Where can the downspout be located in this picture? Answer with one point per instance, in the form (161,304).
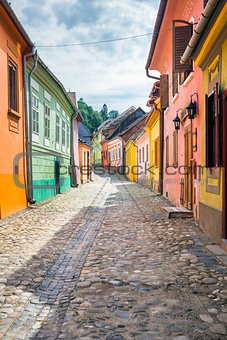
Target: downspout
(199,30)
(30,124)
(72,151)
(161,134)
(29,196)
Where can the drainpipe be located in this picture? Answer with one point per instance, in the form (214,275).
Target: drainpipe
(199,30)
(27,125)
(35,57)
(72,150)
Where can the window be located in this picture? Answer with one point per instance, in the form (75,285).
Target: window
(57,128)
(213,129)
(119,152)
(68,137)
(47,122)
(12,87)
(183,76)
(175,148)
(139,155)
(156,152)
(115,153)
(147,153)
(63,133)
(35,114)
(167,151)
(143,154)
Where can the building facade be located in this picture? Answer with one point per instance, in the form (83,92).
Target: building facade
(209,52)
(14,46)
(52,115)
(179,85)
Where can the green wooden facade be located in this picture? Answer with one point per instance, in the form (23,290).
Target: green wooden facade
(51,133)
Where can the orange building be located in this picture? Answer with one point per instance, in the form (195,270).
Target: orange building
(14,45)
(85,161)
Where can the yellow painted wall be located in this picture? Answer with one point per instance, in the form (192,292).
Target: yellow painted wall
(153,132)
(214,200)
(130,161)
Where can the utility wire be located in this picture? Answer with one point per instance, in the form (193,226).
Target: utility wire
(105,41)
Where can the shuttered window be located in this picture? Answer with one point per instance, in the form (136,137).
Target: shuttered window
(35,114)
(139,155)
(164,91)
(167,151)
(213,129)
(143,154)
(147,153)
(182,32)
(12,87)
(175,149)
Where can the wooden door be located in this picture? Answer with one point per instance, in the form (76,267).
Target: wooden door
(188,170)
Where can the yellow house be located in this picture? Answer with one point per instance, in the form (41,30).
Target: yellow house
(210,54)
(154,146)
(130,161)
(97,153)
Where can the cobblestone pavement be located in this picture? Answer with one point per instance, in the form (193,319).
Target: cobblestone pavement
(102,262)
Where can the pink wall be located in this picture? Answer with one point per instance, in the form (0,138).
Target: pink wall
(114,146)
(162,61)
(142,142)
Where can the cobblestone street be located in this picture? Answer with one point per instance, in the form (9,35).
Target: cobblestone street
(103,262)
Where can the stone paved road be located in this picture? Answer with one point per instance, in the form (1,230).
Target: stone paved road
(102,262)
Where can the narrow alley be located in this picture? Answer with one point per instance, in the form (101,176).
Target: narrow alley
(103,262)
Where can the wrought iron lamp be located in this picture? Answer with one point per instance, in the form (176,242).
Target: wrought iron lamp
(192,107)
(176,121)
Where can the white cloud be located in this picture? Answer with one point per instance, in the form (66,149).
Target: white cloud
(111,73)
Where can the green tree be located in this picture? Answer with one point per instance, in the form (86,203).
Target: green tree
(92,119)
(113,114)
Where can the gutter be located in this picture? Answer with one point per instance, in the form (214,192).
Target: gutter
(27,129)
(205,17)
(157,27)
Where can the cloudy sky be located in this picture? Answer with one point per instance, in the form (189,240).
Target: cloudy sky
(111,73)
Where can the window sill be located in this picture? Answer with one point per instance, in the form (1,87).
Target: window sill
(35,137)
(175,97)
(14,113)
(46,142)
(188,79)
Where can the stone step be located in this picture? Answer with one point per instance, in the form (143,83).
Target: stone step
(171,212)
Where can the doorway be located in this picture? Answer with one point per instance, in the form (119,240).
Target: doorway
(57,177)
(188,169)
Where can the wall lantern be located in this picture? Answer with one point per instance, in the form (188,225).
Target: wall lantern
(176,121)
(192,107)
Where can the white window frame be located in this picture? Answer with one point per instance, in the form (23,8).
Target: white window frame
(68,137)
(47,122)
(35,122)
(57,131)
(63,134)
